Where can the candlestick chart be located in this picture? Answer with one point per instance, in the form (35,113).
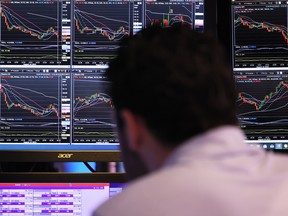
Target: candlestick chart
(92,110)
(30,108)
(30,32)
(98,30)
(262,106)
(260,37)
(169,14)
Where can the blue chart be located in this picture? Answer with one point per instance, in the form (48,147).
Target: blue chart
(30,109)
(260,36)
(92,110)
(98,31)
(262,106)
(169,13)
(31,32)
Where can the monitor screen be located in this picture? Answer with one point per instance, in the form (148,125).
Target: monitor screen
(260,64)
(44,197)
(53,60)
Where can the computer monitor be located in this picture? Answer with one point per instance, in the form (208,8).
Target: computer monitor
(259,56)
(55,104)
(51,194)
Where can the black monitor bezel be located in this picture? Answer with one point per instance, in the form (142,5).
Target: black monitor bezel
(50,177)
(210,17)
(223,25)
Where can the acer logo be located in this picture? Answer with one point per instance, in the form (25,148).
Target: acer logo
(65,155)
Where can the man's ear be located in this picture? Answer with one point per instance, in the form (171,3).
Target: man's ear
(132,129)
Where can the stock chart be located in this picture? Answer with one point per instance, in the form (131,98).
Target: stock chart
(260,36)
(92,108)
(30,108)
(31,33)
(167,13)
(97,31)
(262,104)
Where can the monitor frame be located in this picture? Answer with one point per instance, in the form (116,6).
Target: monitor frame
(224,36)
(210,26)
(60,156)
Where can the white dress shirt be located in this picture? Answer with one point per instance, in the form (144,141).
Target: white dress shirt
(213,174)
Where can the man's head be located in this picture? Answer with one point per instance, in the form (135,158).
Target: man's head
(175,83)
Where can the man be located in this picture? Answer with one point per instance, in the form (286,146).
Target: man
(175,101)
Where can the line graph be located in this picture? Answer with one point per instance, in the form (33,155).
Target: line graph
(272,103)
(262,105)
(31,32)
(260,36)
(30,107)
(12,22)
(98,31)
(269,27)
(95,99)
(92,110)
(270,98)
(169,13)
(104,31)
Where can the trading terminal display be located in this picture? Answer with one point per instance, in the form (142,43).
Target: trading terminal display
(31,107)
(171,12)
(262,102)
(55,198)
(98,31)
(35,33)
(53,58)
(92,108)
(260,34)
(260,63)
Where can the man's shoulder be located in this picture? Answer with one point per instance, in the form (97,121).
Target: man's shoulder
(139,197)
(183,187)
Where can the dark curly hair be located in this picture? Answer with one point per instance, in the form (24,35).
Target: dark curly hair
(176,79)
